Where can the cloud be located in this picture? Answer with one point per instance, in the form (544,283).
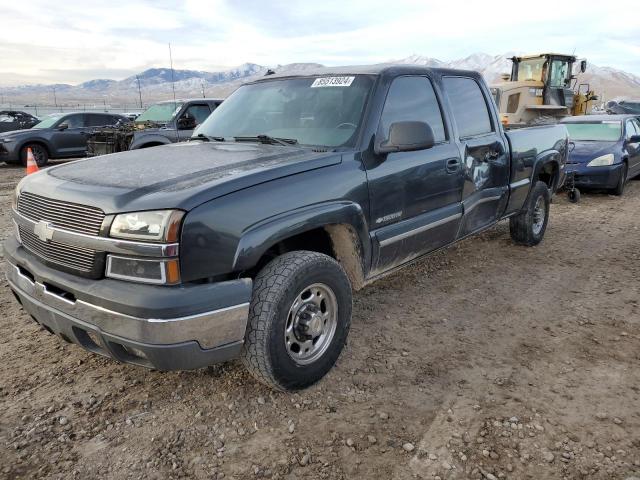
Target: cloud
(71,41)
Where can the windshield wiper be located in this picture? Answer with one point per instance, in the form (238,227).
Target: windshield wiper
(207,138)
(268,140)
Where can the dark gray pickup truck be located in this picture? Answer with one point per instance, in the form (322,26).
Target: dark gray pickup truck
(249,240)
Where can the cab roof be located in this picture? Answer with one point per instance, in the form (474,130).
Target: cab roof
(379,69)
(538,55)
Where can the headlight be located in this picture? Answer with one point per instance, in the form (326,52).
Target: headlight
(153,226)
(161,272)
(602,161)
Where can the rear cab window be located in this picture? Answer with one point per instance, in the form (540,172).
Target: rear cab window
(413,99)
(468,106)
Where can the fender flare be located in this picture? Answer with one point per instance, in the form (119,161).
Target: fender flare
(259,238)
(50,150)
(142,141)
(553,157)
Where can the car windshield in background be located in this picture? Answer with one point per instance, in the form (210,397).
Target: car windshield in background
(48,122)
(607,131)
(161,112)
(324,111)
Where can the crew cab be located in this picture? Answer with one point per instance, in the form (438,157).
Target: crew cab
(249,240)
(161,124)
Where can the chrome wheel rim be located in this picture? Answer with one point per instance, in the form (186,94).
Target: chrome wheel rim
(539,213)
(311,324)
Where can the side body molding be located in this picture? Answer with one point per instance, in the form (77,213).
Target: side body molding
(257,239)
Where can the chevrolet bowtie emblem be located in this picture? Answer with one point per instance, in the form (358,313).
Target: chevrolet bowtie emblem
(43,230)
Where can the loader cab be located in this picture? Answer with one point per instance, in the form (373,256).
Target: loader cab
(553,71)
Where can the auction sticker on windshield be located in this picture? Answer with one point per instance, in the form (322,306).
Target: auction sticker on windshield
(332,82)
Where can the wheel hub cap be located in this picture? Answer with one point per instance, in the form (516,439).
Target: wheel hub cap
(311,323)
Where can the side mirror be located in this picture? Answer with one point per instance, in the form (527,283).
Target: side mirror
(407,137)
(63,126)
(583,66)
(634,139)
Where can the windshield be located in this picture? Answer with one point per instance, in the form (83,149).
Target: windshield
(324,111)
(607,131)
(161,112)
(531,70)
(48,122)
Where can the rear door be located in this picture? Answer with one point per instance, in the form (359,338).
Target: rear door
(484,152)
(414,196)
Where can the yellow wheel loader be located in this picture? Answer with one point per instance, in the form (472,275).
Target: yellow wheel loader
(539,90)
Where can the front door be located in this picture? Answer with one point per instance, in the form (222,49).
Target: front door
(414,196)
(73,139)
(484,152)
(633,129)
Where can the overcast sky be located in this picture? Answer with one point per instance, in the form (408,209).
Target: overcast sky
(71,41)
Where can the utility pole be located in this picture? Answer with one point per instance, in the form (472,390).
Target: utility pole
(55,99)
(202,85)
(173,85)
(139,90)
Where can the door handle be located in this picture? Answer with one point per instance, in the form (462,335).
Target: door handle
(452,165)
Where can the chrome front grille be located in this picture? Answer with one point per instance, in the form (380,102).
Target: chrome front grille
(72,257)
(63,215)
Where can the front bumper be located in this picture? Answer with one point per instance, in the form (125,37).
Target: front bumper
(606,177)
(9,153)
(166,328)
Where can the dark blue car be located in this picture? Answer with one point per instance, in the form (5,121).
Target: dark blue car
(607,150)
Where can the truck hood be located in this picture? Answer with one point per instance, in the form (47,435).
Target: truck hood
(181,175)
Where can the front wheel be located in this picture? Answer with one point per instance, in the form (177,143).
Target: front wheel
(622,181)
(299,319)
(528,227)
(40,154)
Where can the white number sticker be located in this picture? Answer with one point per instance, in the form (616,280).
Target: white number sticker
(332,82)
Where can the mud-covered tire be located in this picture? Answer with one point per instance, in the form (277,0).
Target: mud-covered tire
(40,154)
(276,289)
(622,181)
(528,227)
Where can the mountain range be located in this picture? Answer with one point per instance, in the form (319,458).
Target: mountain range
(156,83)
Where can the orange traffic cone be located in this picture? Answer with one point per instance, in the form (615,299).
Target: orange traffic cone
(32,165)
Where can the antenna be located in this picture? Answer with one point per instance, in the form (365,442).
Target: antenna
(173,85)
(139,90)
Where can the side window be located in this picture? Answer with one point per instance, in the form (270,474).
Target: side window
(99,120)
(468,105)
(198,112)
(631,128)
(74,121)
(413,99)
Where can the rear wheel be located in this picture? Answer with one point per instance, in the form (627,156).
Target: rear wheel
(528,227)
(39,153)
(622,181)
(299,319)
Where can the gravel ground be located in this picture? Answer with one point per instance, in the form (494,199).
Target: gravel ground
(486,360)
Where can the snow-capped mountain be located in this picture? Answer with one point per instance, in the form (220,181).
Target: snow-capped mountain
(155,83)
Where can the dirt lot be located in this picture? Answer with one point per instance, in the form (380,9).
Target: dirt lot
(486,360)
